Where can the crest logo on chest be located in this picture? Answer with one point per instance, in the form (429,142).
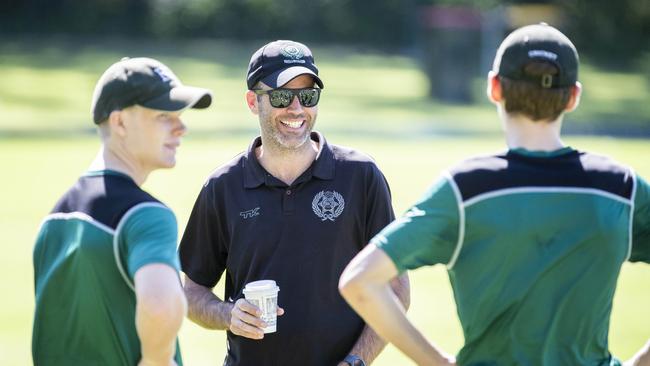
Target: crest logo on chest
(328,205)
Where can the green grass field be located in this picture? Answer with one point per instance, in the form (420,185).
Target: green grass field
(372,102)
(47,87)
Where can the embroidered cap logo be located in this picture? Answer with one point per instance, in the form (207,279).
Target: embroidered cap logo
(293,55)
(162,74)
(292,52)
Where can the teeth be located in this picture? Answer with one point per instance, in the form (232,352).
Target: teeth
(292,124)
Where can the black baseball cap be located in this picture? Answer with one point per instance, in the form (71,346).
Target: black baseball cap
(538,42)
(278,62)
(145,82)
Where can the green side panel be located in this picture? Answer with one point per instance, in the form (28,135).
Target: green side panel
(85,312)
(641,226)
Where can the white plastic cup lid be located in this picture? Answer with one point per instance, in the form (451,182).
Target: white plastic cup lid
(261,286)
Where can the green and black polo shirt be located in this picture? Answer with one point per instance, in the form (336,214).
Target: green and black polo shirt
(87,252)
(534,244)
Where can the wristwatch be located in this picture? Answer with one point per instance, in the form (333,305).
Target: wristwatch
(354,360)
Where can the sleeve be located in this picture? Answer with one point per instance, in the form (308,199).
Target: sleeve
(202,249)
(149,235)
(641,223)
(427,234)
(379,209)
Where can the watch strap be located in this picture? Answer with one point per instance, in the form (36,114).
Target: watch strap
(354,360)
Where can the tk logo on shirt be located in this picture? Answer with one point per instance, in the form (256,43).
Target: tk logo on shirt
(250,213)
(328,205)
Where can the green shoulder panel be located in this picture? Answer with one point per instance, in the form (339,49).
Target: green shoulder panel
(146,234)
(430,232)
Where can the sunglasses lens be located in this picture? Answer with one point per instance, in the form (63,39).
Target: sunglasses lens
(309,97)
(280,98)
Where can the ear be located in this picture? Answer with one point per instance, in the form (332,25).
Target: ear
(251,101)
(116,123)
(494,88)
(574,99)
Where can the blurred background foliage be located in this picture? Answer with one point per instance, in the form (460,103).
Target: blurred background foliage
(615,33)
(425,60)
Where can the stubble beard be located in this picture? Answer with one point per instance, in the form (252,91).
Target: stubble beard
(282,143)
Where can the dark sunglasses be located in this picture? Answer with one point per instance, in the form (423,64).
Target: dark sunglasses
(282,97)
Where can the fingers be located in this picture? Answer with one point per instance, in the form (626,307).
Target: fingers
(280,311)
(245,320)
(248,318)
(247,307)
(240,328)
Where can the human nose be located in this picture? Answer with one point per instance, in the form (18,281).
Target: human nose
(295,104)
(179,127)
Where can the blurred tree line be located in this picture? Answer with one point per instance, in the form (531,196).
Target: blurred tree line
(342,21)
(611,31)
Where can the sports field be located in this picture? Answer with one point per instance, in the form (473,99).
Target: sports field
(373,102)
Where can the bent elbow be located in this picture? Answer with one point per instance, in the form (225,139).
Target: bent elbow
(351,288)
(167,308)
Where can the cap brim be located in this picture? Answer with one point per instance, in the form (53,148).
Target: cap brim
(179,98)
(281,77)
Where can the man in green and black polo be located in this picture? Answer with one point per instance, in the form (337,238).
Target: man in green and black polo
(533,238)
(105,261)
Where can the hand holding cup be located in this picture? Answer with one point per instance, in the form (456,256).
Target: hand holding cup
(256,314)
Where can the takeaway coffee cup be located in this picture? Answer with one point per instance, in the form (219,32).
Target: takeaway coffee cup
(264,295)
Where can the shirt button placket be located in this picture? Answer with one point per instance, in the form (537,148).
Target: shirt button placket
(288,201)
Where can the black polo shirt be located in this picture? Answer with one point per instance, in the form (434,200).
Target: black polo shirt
(255,227)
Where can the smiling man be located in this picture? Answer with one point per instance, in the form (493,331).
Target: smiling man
(293,209)
(105,261)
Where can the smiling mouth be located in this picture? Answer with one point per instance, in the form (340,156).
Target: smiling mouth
(293,124)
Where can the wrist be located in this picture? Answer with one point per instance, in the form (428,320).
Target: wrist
(155,361)
(225,312)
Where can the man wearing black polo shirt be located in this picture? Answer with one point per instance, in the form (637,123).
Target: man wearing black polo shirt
(293,209)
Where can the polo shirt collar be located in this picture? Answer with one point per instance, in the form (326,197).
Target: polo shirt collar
(542,154)
(323,167)
(105,172)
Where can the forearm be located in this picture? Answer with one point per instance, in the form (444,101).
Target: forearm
(157,330)
(641,358)
(381,308)
(370,344)
(205,308)
(365,285)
